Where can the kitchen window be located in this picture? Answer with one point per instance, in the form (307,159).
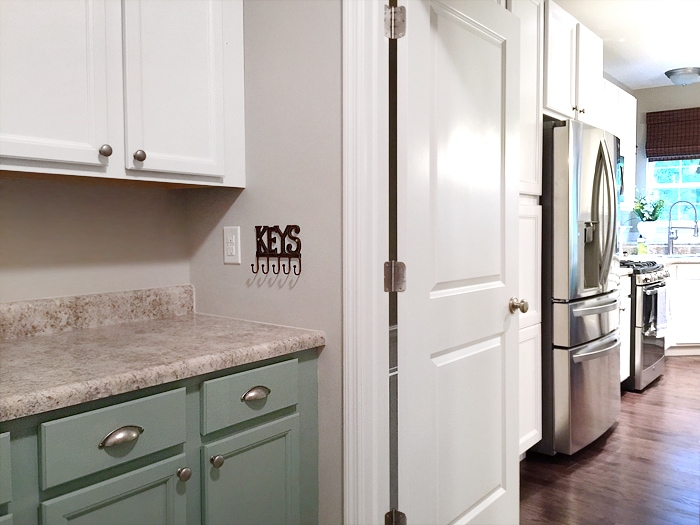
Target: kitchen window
(674,180)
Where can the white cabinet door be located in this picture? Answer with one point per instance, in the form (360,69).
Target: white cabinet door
(560,60)
(531,14)
(627,104)
(530,258)
(174,88)
(530,379)
(53,80)
(589,73)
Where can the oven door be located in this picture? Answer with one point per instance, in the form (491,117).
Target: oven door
(650,325)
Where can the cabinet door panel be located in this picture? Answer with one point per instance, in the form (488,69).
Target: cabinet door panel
(560,59)
(53,80)
(589,73)
(151,495)
(530,366)
(530,257)
(173,56)
(259,480)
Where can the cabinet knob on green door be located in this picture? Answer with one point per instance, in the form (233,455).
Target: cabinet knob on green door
(121,436)
(105,150)
(217,461)
(140,155)
(184,473)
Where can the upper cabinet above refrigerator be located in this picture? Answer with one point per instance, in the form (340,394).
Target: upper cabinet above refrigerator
(139,90)
(573,70)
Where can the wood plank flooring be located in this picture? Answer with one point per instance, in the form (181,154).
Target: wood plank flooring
(644,471)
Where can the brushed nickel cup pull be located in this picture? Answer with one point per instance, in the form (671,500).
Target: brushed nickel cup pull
(105,150)
(121,436)
(514,305)
(140,155)
(256,393)
(184,473)
(217,461)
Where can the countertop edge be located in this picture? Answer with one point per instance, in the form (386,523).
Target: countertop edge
(75,393)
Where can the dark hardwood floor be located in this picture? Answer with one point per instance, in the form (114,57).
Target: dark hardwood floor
(645,470)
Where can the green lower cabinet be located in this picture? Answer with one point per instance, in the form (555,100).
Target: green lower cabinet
(258,481)
(6,520)
(151,495)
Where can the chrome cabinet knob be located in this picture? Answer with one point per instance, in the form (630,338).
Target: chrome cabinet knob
(184,473)
(105,150)
(140,155)
(217,461)
(514,305)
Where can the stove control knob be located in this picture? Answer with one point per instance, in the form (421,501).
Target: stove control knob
(646,279)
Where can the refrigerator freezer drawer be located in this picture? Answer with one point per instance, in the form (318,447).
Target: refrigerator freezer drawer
(586,392)
(579,322)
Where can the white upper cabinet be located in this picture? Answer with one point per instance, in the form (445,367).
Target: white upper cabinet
(531,14)
(53,81)
(138,89)
(573,67)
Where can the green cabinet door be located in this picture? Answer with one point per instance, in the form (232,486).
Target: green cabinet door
(258,482)
(151,495)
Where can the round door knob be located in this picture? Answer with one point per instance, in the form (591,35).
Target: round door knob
(105,150)
(140,155)
(515,305)
(217,461)
(184,473)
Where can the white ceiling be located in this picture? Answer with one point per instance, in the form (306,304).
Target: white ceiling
(642,38)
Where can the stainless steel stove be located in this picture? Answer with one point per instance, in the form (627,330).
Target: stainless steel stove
(648,322)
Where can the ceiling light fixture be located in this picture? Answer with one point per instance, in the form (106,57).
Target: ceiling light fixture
(684,75)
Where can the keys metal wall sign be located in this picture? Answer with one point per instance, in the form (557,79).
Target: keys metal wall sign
(277,250)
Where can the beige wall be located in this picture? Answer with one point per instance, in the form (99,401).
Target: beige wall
(659,99)
(72,237)
(293,157)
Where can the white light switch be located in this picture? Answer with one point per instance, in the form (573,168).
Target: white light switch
(232,245)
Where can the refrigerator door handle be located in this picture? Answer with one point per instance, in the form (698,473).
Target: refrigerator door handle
(595,354)
(597,309)
(606,183)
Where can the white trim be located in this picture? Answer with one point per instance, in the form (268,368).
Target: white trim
(365,248)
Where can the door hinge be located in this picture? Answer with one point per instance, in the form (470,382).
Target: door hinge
(394,517)
(394,22)
(394,276)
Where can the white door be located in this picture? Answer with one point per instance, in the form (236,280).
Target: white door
(458,235)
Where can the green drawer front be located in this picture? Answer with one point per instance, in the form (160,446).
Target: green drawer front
(69,446)
(5,469)
(6,520)
(222,405)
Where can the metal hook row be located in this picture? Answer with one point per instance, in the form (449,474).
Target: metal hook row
(265,266)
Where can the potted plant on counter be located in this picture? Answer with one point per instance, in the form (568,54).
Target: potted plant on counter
(648,211)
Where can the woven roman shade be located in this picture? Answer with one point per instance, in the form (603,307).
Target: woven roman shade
(673,135)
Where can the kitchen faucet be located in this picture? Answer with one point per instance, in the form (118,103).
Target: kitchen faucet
(673,232)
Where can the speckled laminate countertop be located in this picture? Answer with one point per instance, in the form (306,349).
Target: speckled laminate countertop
(47,372)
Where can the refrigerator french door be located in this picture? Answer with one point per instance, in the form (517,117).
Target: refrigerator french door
(580,298)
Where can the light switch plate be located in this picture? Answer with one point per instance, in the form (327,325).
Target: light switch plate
(232,245)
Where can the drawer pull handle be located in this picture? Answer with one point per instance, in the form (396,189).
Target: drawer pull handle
(217,461)
(256,393)
(121,436)
(184,473)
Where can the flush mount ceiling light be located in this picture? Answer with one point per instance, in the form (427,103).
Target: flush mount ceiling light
(684,75)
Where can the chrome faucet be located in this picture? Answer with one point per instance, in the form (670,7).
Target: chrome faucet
(673,231)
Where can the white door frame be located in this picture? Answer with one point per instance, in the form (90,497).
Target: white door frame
(365,248)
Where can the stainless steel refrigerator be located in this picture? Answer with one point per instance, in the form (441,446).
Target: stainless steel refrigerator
(580,298)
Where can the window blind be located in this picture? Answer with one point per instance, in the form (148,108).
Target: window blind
(673,135)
